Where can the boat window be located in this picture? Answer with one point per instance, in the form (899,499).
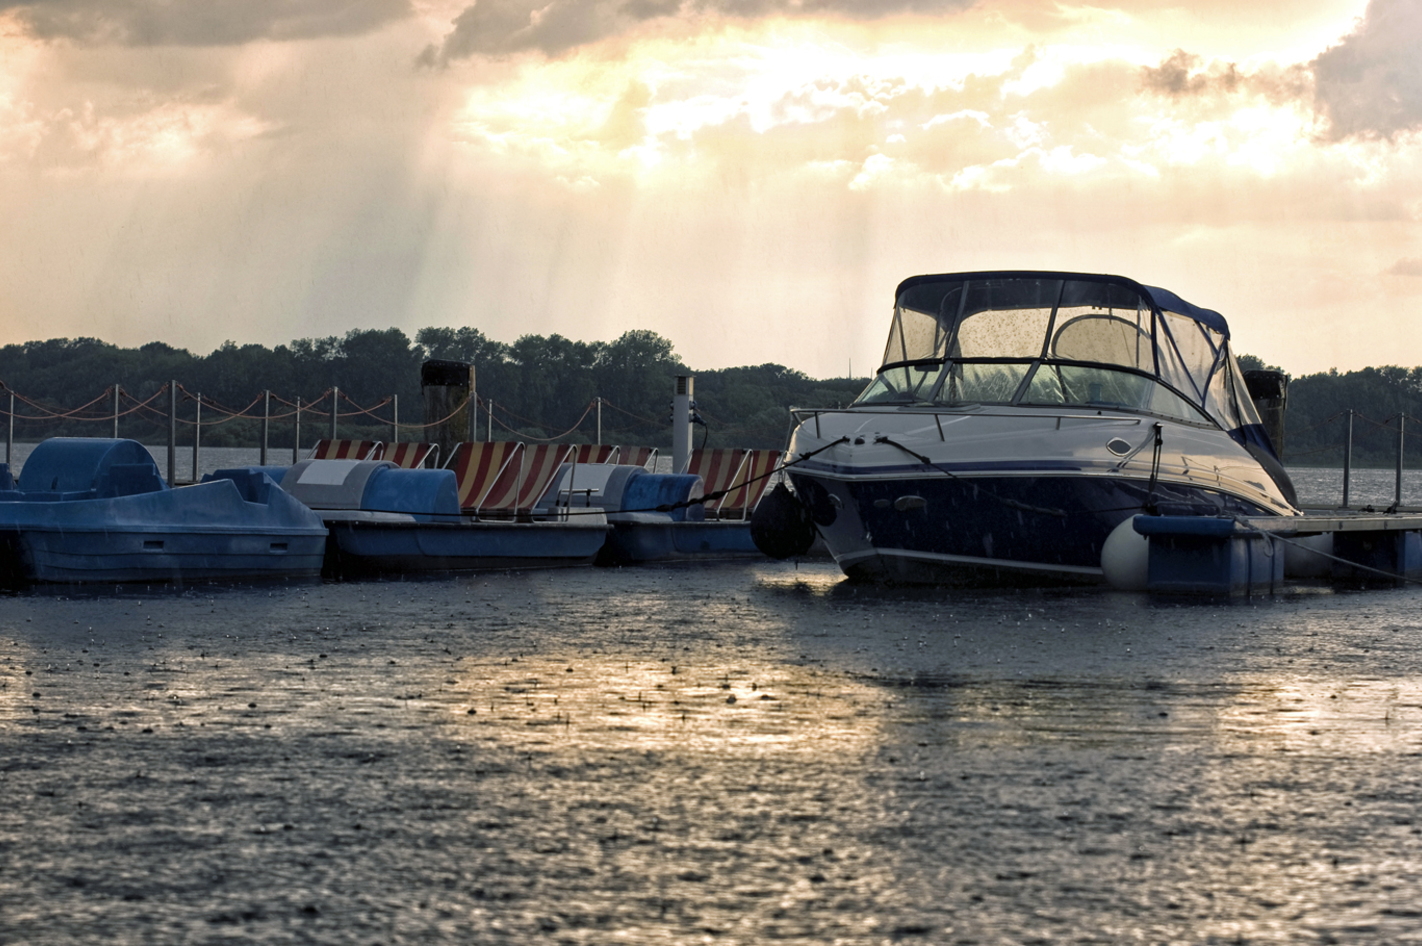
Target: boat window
(1006,318)
(1028,339)
(901,383)
(1103,387)
(1189,351)
(1045,387)
(1015,334)
(1105,338)
(1219,404)
(983,383)
(1243,403)
(915,336)
(1089,386)
(1169,404)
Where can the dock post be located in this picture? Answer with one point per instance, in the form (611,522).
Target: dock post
(335,409)
(1347,457)
(266,425)
(394,418)
(681,423)
(449,405)
(296,430)
(197,437)
(116,410)
(1397,492)
(10,433)
(172,434)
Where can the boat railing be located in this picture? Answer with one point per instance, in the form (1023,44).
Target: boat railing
(564,499)
(801,415)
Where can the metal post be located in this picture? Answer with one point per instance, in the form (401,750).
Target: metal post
(116,410)
(266,425)
(491,421)
(599,421)
(473,407)
(1347,458)
(335,409)
(1397,494)
(172,433)
(681,424)
(296,442)
(394,418)
(10,433)
(197,438)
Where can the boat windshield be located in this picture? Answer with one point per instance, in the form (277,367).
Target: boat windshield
(1057,341)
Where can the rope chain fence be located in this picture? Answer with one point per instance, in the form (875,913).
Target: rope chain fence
(1376,441)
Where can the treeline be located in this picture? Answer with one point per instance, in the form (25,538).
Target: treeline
(540,386)
(1315,422)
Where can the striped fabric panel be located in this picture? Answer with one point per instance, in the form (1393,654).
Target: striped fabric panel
(717,467)
(409,456)
(592,453)
(477,467)
(750,485)
(540,465)
(344,450)
(503,490)
(637,456)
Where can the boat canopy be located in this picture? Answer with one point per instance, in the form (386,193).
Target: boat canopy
(1062,339)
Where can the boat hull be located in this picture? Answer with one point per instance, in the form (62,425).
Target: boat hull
(1003,529)
(155,555)
(195,533)
(358,547)
(669,541)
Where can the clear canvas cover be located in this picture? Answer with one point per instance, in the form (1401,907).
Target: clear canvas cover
(1058,340)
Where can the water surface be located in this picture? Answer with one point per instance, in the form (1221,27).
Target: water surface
(739,754)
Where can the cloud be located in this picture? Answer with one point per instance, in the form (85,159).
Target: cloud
(1406,267)
(501,27)
(199,22)
(1180,74)
(1370,84)
(158,140)
(1186,75)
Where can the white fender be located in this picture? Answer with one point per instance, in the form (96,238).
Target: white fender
(1125,558)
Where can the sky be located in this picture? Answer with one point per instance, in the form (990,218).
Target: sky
(749,178)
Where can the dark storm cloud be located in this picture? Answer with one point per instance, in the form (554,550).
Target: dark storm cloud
(1184,74)
(200,22)
(1181,74)
(1370,84)
(493,27)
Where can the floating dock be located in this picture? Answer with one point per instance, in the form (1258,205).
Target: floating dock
(1205,555)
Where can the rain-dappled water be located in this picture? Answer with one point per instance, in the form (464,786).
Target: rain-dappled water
(737,754)
(1323,486)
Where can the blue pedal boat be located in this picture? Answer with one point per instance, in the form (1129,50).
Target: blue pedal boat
(655,517)
(90,510)
(387,520)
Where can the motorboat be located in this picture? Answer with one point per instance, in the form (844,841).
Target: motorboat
(96,510)
(1019,418)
